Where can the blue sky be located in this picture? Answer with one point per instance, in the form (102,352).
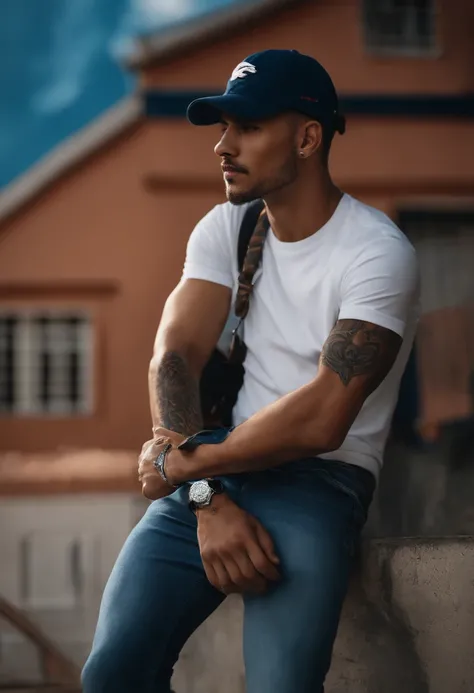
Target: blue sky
(60,66)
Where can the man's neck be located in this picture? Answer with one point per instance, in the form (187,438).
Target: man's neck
(299,211)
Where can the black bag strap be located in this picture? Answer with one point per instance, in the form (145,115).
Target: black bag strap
(247,227)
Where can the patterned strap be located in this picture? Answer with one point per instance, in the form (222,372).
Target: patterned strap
(250,266)
(238,350)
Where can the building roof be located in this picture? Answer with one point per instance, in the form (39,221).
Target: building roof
(69,153)
(169,43)
(164,45)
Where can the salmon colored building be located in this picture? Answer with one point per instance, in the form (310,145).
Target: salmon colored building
(92,238)
(99,228)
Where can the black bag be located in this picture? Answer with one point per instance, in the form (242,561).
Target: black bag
(223,376)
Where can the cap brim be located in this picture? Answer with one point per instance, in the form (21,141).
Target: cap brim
(209,110)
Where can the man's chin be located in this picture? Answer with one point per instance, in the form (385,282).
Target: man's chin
(240,197)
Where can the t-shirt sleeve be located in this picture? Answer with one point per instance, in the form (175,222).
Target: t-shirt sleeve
(382,285)
(209,253)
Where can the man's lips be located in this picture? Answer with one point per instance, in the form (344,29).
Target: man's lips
(229,171)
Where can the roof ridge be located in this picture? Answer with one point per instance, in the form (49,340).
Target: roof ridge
(164,44)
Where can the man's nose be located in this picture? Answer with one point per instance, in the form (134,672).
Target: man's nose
(227,146)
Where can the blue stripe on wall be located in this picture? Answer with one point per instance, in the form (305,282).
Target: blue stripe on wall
(173,104)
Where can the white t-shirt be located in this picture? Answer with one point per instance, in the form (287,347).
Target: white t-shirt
(359,265)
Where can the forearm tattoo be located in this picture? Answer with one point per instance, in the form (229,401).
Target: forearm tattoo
(178,396)
(356,348)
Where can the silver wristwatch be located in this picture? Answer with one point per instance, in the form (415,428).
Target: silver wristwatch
(201,492)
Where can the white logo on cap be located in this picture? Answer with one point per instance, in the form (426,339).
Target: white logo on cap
(242,70)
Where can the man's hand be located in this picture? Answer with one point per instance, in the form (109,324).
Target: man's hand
(163,434)
(237,552)
(153,486)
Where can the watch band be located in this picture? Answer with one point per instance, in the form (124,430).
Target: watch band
(216,485)
(159,464)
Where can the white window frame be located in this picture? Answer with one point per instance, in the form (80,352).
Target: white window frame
(406,49)
(27,352)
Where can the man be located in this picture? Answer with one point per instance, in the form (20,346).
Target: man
(328,332)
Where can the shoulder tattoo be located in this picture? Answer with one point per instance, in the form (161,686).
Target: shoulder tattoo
(357,348)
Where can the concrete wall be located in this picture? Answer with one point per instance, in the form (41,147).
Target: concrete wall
(407,625)
(56,554)
(427,491)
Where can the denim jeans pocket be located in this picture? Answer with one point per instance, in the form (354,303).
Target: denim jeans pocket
(355,482)
(346,489)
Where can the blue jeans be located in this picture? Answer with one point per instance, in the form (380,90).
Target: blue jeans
(158,593)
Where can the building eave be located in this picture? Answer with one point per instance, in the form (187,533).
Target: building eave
(178,40)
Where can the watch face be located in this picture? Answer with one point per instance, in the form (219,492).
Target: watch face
(200,493)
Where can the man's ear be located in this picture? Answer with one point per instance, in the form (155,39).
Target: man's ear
(311,138)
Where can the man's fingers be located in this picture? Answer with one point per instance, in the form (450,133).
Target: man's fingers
(159,432)
(243,578)
(222,579)
(237,580)
(264,566)
(266,542)
(237,553)
(261,562)
(157,444)
(146,445)
(253,580)
(164,435)
(211,575)
(229,575)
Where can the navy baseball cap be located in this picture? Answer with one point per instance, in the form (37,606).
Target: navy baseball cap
(269,83)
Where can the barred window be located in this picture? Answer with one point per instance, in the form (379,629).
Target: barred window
(399,27)
(45,363)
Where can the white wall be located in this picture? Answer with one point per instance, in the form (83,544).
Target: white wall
(56,554)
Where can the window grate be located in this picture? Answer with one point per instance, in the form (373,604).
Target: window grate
(400,27)
(45,363)
(7,361)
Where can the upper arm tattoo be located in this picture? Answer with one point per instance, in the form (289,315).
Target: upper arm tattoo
(357,348)
(178,396)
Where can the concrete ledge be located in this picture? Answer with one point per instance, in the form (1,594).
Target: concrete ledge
(68,472)
(407,625)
